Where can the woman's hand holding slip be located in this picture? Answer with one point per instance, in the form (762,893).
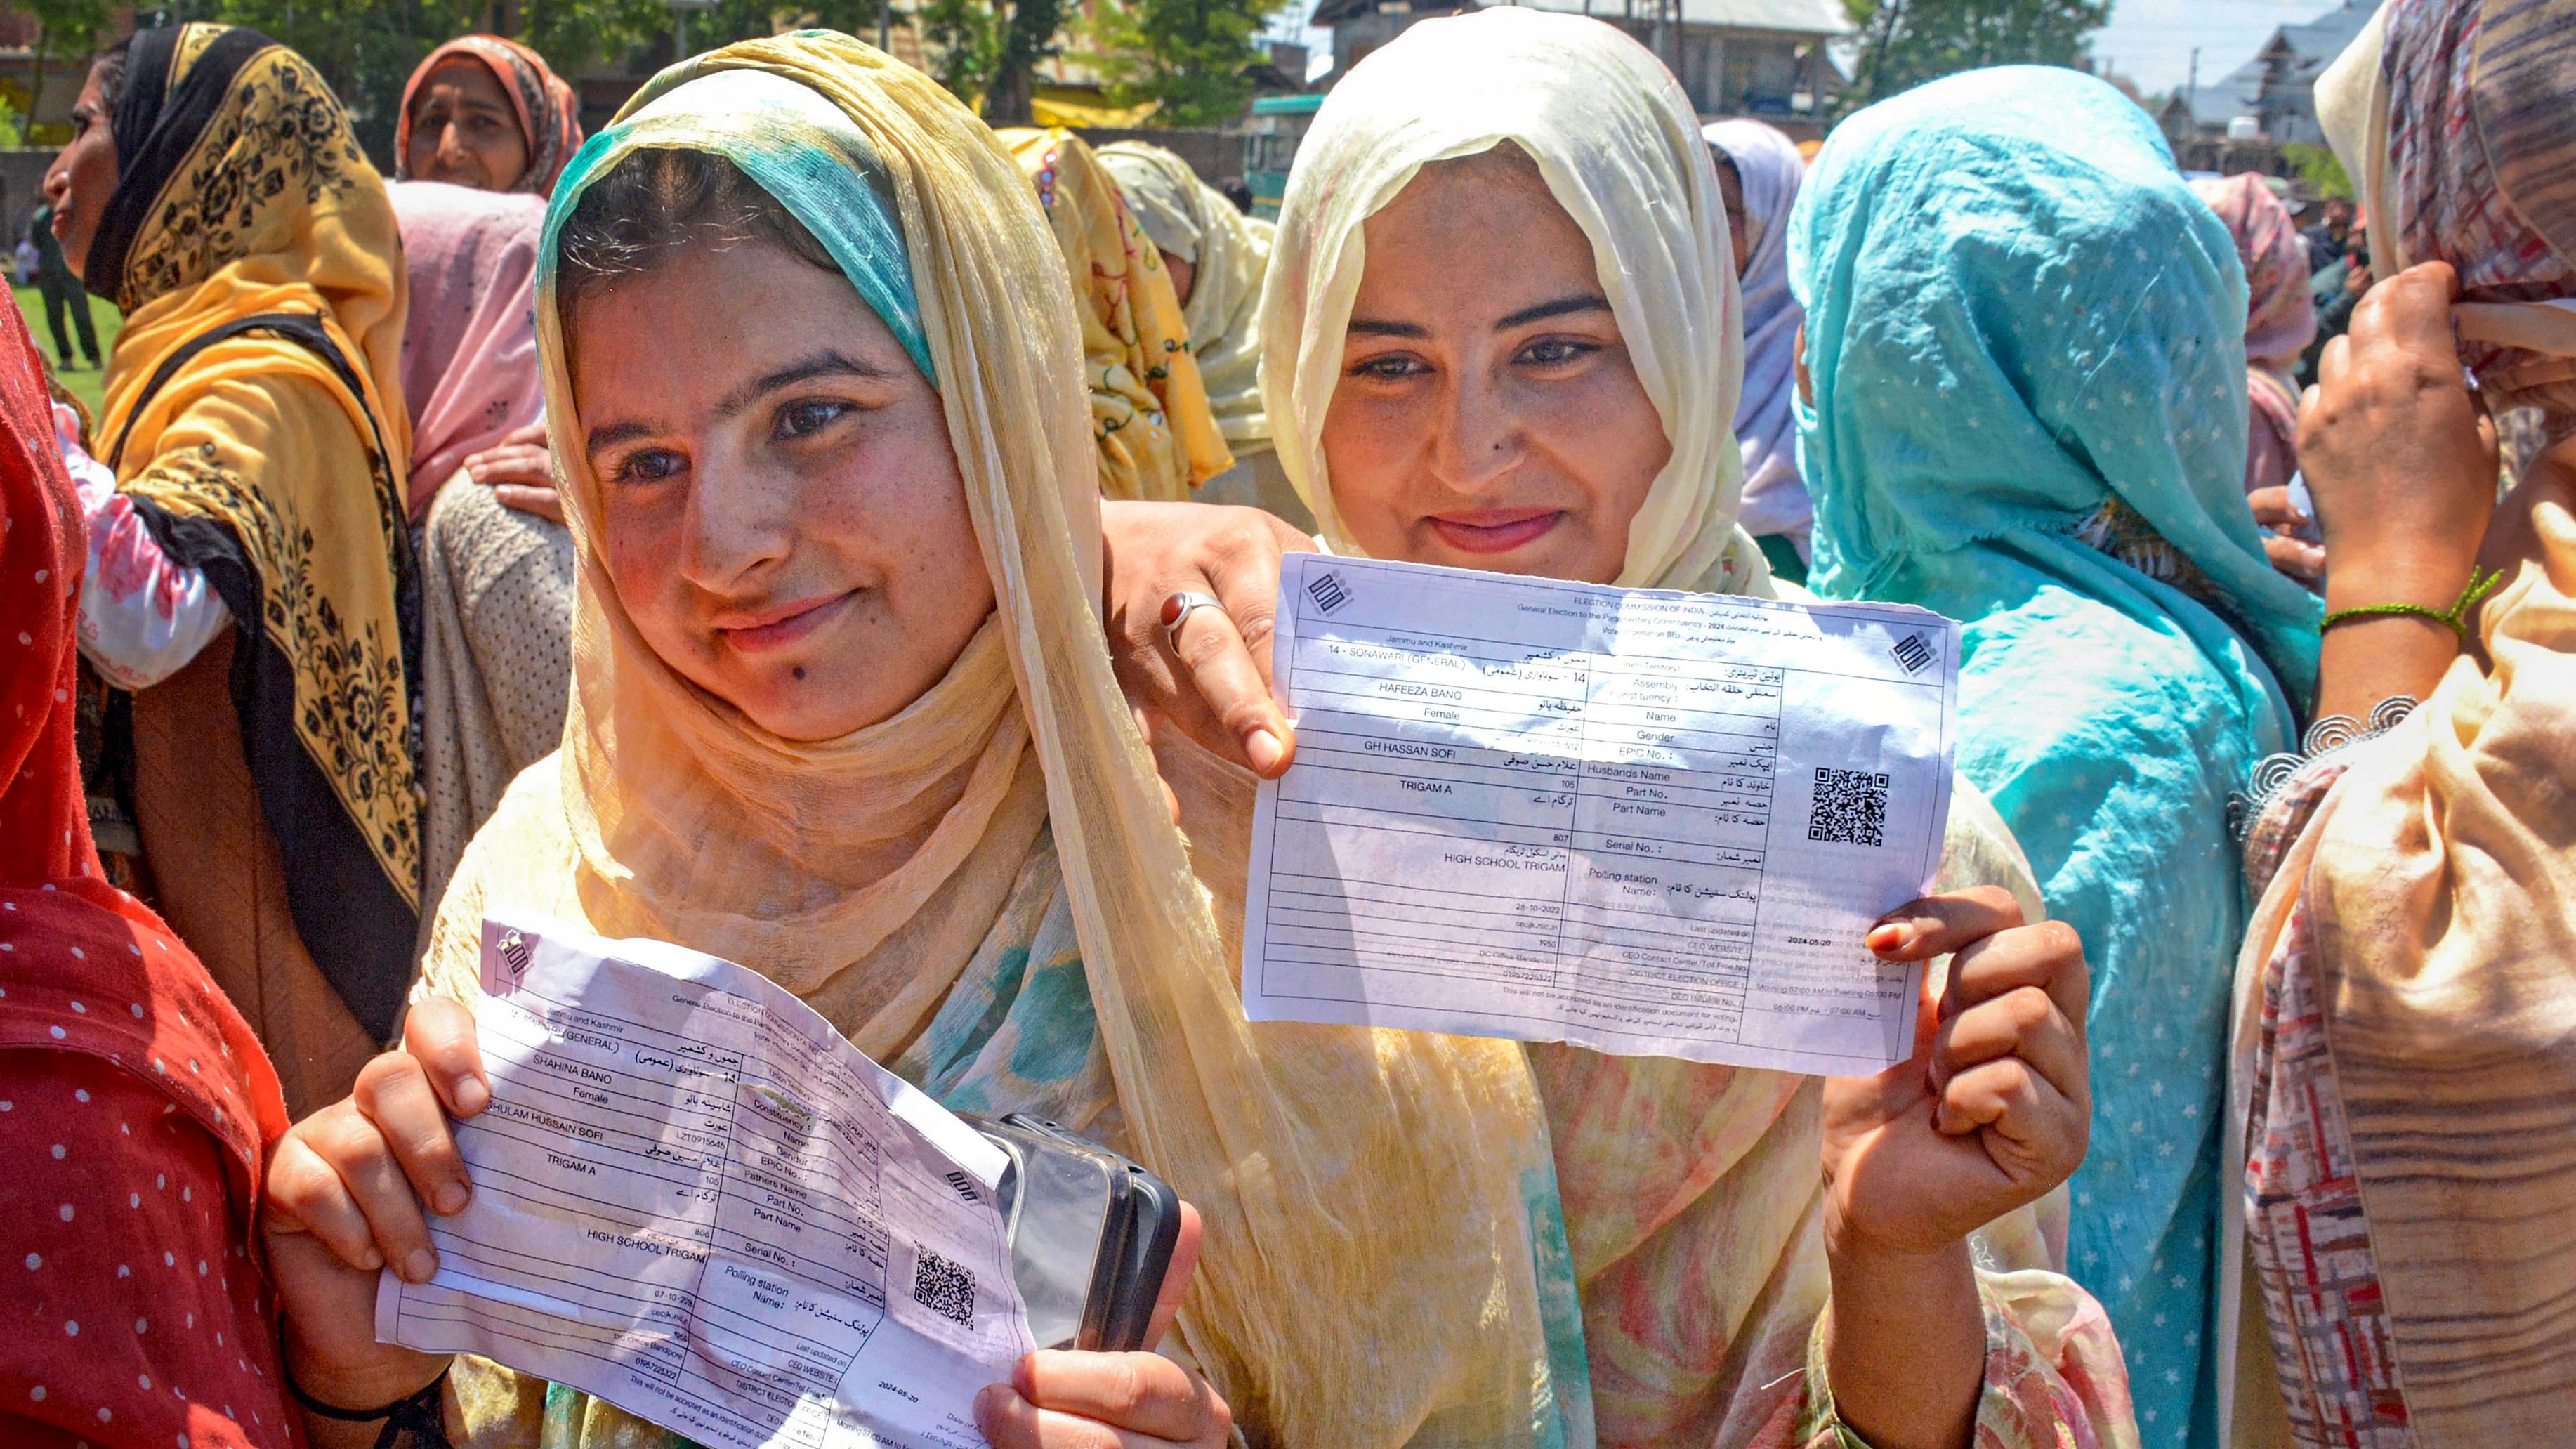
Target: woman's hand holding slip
(1990,1113)
(348,1193)
(344,1198)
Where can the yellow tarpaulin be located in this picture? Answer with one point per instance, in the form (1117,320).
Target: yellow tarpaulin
(1072,108)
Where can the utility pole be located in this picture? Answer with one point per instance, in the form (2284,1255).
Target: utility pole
(2191,88)
(885,25)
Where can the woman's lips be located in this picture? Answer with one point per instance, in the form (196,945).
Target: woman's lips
(1494,530)
(781,625)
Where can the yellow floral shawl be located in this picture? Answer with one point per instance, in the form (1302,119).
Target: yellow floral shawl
(241,193)
(1149,407)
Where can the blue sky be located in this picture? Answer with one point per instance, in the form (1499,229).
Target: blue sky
(2150,41)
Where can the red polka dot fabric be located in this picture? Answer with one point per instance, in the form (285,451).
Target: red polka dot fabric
(134,1314)
(135,1106)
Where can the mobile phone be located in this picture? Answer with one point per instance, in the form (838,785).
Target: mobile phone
(1091,1234)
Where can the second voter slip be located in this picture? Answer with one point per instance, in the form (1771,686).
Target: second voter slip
(694,1200)
(1648,823)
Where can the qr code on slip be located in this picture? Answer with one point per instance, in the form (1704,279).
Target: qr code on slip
(1850,808)
(943,1287)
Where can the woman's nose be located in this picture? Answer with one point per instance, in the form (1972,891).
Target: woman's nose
(736,526)
(1475,440)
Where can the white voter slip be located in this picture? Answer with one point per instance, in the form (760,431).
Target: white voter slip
(1645,822)
(695,1200)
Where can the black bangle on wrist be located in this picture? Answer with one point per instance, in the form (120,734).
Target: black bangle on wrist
(418,1418)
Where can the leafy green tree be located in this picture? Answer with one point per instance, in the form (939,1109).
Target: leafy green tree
(65,32)
(367,49)
(2318,167)
(1191,55)
(1904,43)
(989,50)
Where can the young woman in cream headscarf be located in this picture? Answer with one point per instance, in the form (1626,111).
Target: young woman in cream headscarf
(1501,332)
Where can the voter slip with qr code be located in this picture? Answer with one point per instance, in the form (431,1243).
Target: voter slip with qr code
(1645,822)
(695,1200)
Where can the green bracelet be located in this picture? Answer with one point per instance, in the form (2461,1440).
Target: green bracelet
(2456,617)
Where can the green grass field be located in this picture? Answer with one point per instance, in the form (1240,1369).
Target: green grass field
(83,381)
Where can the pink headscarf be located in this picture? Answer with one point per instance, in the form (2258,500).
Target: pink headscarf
(2281,319)
(469,359)
(548,112)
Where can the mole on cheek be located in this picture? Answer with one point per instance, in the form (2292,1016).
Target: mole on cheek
(799,671)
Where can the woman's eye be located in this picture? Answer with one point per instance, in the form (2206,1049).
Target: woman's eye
(798,419)
(650,466)
(1556,351)
(1390,368)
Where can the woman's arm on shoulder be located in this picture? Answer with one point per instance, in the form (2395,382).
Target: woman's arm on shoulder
(1212,682)
(143,615)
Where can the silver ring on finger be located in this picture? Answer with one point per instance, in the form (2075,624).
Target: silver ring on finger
(1177,610)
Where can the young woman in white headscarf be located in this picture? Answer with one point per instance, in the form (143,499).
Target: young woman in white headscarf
(1502,331)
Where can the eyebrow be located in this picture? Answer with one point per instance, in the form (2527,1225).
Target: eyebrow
(1561,307)
(612,434)
(821,364)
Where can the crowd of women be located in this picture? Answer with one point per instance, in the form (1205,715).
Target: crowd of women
(804,524)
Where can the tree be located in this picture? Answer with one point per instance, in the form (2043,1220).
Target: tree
(1190,55)
(2319,168)
(987,51)
(367,49)
(1904,43)
(65,30)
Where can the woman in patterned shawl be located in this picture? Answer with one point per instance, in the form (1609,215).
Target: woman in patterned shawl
(254,419)
(1217,258)
(2404,1189)
(2028,413)
(486,112)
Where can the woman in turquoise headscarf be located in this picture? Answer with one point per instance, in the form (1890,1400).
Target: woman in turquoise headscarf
(2026,363)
